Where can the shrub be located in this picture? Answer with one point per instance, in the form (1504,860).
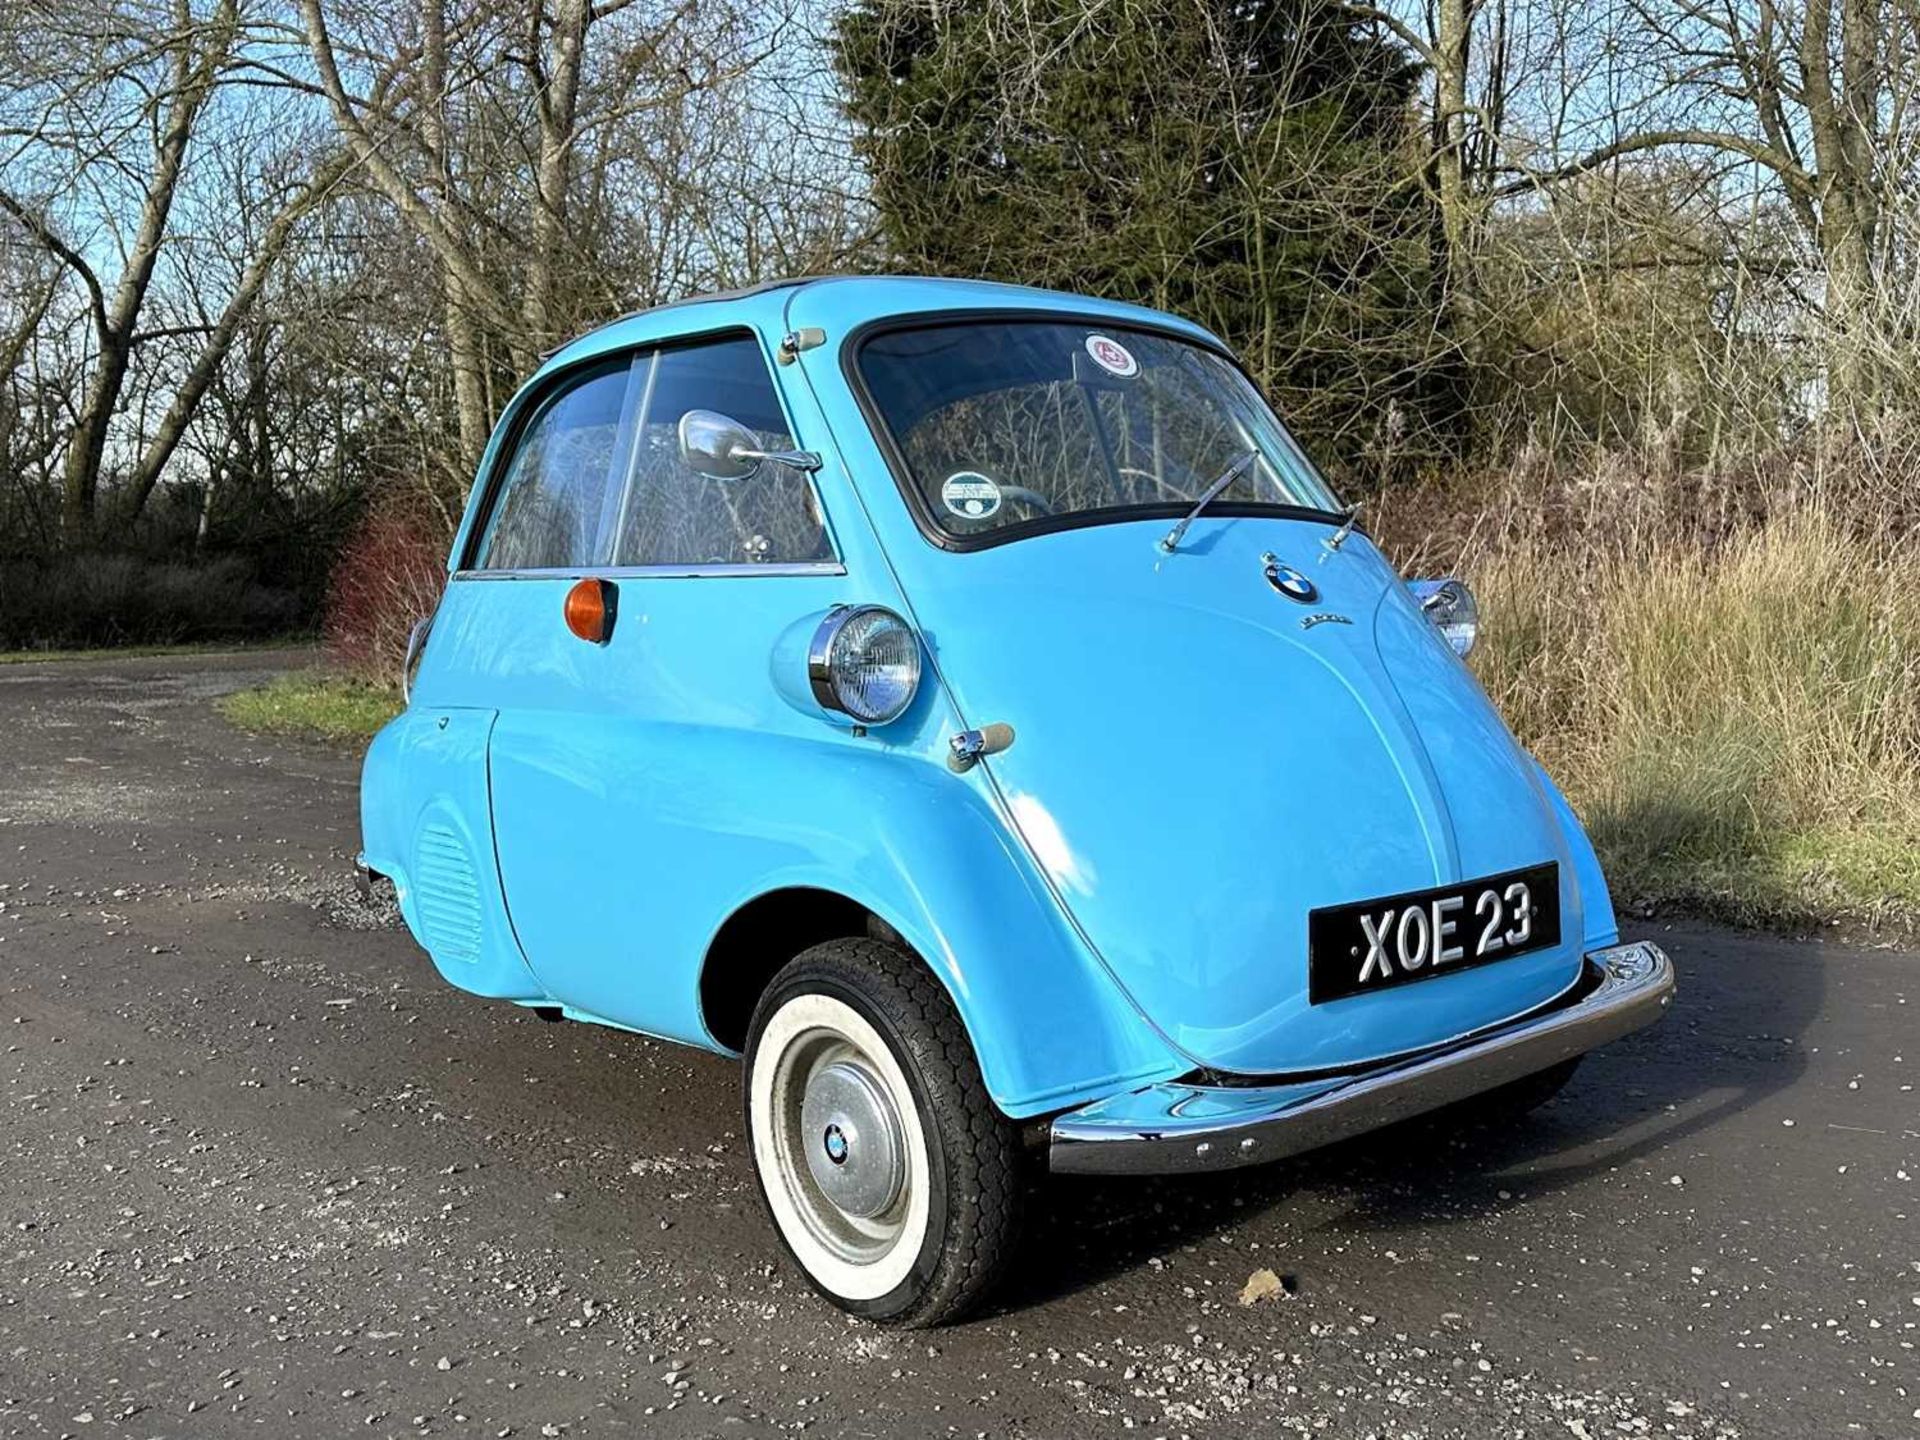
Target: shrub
(389,575)
(77,601)
(1726,683)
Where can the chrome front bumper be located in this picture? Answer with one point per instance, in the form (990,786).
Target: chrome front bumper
(1176,1128)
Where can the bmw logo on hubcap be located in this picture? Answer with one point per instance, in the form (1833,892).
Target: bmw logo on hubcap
(1289,581)
(836,1143)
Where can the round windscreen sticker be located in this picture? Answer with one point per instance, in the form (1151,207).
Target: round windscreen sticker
(1113,357)
(970,495)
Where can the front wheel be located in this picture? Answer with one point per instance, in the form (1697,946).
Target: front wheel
(890,1175)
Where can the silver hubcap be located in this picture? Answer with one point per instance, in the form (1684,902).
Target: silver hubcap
(858,1158)
(843,1150)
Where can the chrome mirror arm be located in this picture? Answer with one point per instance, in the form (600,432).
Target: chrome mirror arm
(721,448)
(808,460)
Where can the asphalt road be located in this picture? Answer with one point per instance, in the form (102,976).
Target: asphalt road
(262,1173)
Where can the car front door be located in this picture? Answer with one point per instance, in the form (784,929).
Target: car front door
(627,775)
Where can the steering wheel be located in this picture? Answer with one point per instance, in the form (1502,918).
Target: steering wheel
(1030,498)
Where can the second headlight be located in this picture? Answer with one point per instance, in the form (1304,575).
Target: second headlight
(1451,609)
(864,662)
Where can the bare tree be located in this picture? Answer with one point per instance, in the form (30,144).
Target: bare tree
(123,130)
(28,289)
(265,254)
(537,85)
(1815,105)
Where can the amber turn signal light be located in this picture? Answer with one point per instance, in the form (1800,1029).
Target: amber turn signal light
(590,609)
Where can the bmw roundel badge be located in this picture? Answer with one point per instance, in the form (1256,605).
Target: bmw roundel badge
(1289,581)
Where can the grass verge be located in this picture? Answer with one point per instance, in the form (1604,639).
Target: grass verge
(1738,722)
(319,703)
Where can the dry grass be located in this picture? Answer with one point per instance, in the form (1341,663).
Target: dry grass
(1733,707)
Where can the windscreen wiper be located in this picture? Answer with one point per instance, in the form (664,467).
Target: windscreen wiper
(1171,540)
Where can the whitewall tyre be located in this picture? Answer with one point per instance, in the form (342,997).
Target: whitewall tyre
(890,1176)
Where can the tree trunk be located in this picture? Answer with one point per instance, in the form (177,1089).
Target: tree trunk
(213,353)
(483,297)
(467,351)
(465,347)
(80,472)
(192,78)
(1842,121)
(1453,20)
(559,100)
(11,355)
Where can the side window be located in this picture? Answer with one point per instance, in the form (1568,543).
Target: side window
(672,516)
(547,513)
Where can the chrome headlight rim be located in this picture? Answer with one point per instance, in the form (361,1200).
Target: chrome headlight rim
(821,652)
(1450,607)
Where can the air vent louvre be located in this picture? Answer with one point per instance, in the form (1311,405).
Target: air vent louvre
(447,893)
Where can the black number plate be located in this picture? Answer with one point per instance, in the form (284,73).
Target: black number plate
(1394,941)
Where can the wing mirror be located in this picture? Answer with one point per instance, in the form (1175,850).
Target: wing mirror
(721,448)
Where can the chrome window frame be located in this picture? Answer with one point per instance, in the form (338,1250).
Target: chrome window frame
(787,568)
(527,421)
(491,485)
(920,508)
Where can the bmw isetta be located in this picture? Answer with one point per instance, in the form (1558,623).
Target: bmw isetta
(969,705)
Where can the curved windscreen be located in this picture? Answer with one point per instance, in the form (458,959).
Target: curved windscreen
(1006,424)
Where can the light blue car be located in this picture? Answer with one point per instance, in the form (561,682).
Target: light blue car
(970,706)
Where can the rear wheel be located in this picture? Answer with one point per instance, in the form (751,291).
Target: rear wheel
(890,1175)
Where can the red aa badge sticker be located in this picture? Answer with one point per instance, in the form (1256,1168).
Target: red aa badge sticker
(1113,357)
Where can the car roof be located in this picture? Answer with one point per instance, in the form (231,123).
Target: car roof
(847,302)
(858,296)
(705,297)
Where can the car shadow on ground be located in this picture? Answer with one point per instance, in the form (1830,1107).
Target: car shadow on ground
(1727,1045)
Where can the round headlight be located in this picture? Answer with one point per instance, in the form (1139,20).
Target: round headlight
(1451,609)
(864,662)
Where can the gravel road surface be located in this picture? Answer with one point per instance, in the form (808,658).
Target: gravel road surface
(262,1173)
